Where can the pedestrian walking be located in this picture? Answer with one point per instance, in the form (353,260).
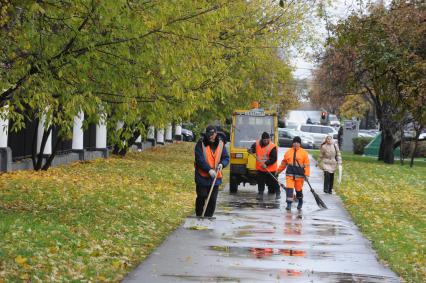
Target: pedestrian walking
(210,158)
(330,158)
(266,166)
(296,163)
(340,136)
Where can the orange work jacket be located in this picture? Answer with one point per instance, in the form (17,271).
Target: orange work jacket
(212,159)
(296,162)
(262,154)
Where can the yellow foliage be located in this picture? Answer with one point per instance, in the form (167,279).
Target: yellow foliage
(105,215)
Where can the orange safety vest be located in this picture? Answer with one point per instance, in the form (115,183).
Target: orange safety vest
(262,154)
(212,159)
(296,162)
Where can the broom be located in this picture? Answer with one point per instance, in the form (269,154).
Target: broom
(319,201)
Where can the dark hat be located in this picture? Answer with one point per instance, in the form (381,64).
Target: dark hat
(210,130)
(297,139)
(265,135)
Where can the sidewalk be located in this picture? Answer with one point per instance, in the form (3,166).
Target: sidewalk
(254,241)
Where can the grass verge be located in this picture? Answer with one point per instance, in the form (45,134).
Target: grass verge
(388,203)
(93,221)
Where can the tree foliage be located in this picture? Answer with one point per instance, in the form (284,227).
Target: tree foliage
(379,56)
(142,62)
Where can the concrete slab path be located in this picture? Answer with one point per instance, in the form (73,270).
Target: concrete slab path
(259,241)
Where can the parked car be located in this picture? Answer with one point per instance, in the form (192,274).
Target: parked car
(366,133)
(318,133)
(187,135)
(285,138)
(291,125)
(334,122)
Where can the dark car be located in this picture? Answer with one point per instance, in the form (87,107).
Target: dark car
(187,135)
(285,138)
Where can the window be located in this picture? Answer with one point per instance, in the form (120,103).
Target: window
(305,128)
(326,130)
(248,129)
(316,130)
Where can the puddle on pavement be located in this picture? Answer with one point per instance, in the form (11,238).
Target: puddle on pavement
(250,204)
(195,278)
(313,276)
(260,253)
(249,232)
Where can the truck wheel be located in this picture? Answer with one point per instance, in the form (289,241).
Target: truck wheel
(233,186)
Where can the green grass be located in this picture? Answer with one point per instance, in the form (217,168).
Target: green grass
(388,203)
(92,221)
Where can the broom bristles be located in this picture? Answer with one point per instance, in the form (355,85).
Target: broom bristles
(319,201)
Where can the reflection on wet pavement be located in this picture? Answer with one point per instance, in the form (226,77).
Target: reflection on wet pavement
(259,241)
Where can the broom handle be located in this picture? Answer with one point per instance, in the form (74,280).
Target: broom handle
(210,193)
(268,170)
(306,179)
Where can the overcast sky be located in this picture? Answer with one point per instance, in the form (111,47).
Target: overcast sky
(340,9)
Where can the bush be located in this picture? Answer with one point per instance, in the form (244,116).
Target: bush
(408,148)
(360,143)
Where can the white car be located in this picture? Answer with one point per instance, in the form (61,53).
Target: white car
(318,133)
(333,120)
(291,125)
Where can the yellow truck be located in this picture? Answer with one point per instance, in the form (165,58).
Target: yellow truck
(247,127)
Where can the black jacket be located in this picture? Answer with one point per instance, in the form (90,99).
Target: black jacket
(272,155)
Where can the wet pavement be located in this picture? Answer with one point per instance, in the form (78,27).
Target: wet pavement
(259,241)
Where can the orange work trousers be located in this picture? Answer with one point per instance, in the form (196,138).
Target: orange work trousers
(292,183)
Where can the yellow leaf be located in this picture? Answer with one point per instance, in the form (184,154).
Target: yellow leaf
(198,227)
(20,260)
(116,264)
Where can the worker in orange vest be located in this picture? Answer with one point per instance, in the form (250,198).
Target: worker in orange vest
(266,160)
(210,157)
(296,160)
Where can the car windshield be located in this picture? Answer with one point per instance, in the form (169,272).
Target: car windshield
(291,125)
(332,118)
(248,129)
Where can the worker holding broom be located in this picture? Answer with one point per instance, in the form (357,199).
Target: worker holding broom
(266,165)
(210,158)
(296,160)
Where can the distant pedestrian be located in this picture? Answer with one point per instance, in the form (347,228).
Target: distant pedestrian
(296,161)
(266,160)
(340,136)
(210,157)
(330,158)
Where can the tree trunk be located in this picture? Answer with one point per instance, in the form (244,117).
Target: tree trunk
(128,143)
(42,146)
(52,155)
(34,150)
(388,142)
(401,153)
(416,143)
(381,148)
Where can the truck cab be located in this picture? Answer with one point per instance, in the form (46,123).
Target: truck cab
(247,127)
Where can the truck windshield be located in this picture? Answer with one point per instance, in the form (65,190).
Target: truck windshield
(248,129)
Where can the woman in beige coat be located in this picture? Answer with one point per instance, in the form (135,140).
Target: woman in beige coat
(330,158)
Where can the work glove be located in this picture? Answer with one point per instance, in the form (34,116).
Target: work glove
(219,167)
(264,166)
(212,173)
